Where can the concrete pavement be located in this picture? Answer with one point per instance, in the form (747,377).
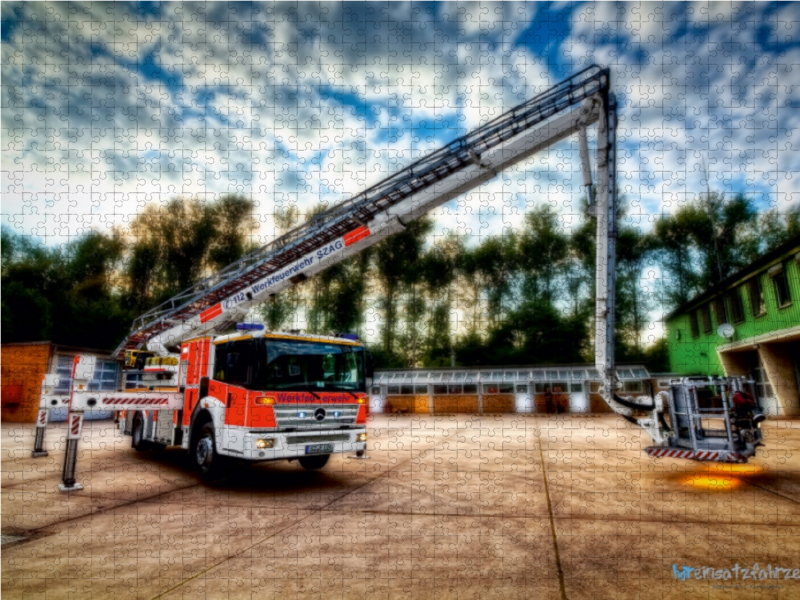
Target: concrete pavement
(511,506)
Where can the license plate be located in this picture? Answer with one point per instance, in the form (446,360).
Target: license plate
(319,448)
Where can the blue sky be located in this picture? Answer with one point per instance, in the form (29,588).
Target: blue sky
(109,106)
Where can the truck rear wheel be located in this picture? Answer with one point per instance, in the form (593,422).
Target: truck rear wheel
(204,453)
(138,442)
(313,463)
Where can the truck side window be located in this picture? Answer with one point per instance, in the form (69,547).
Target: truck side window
(220,361)
(235,363)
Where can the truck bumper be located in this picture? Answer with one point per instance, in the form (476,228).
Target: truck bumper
(295,444)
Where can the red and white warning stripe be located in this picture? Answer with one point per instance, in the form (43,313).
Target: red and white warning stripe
(41,418)
(711,455)
(707,455)
(75,425)
(669,452)
(133,401)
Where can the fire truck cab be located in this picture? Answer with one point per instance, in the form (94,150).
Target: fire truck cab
(259,396)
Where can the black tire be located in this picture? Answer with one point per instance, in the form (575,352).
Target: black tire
(312,463)
(204,453)
(138,442)
(359,453)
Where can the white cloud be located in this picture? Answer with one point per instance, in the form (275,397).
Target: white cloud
(89,140)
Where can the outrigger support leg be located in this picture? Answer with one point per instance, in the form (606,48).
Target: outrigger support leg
(41,427)
(75,425)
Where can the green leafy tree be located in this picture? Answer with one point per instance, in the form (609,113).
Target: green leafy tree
(32,276)
(546,335)
(342,297)
(178,244)
(395,263)
(335,299)
(276,311)
(543,254)
(656,357)
(234,228)
(439,274)
(281,310)
(534,333)
(468,295)
(332,301)
(718,229)
(673,252)
(314,291)
(69,296)
(496,261)
(410,334)
(634,252)
(776,228)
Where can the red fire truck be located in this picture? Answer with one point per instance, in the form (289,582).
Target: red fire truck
(254,395)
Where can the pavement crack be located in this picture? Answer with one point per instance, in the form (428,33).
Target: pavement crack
(766,489)
(552,518)
(59,471)
(100,511)
(311,513)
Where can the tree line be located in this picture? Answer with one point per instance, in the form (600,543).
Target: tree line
(88,291)
(521,297)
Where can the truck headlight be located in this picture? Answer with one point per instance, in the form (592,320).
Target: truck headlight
(361,437)
(263,443)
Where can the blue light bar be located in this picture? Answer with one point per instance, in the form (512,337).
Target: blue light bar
(349,336)
(249,326)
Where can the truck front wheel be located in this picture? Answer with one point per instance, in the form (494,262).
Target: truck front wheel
(313,463)
(204,453)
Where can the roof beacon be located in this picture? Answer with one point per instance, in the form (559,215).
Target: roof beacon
(249,327)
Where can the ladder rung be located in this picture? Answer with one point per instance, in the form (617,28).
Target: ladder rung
(702,416)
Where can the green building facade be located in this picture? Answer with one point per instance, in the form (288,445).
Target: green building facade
(748,324)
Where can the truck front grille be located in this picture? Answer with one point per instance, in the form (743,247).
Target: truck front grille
(304,416)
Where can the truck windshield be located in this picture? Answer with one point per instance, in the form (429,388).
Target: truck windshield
(299,365)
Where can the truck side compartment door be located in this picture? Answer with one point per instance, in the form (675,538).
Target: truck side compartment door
(190,399)
(236,401)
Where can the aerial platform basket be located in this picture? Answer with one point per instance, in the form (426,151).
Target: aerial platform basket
(712,419)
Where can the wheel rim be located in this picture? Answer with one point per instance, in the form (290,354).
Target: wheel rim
(204,451)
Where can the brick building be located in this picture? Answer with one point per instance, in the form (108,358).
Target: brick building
(23,366)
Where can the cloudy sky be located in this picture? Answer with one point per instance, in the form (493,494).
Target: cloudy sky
(108,106)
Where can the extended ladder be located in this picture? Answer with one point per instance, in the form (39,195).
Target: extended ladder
(373,214)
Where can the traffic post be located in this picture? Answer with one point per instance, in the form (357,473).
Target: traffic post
(41,425)
(74,428)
